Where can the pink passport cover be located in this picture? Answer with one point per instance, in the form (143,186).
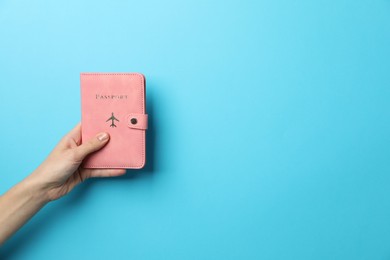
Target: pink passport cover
(114,103)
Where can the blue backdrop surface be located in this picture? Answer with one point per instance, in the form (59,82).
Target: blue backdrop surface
(269,131)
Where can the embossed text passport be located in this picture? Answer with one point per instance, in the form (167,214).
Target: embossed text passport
(114,103)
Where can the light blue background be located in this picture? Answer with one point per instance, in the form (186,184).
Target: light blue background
(269,135)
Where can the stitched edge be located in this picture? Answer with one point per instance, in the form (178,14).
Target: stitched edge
(141,77)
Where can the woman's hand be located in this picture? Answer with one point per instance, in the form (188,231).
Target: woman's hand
(61,171)
(54,178)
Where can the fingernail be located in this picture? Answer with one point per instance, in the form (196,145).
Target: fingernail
(102,136)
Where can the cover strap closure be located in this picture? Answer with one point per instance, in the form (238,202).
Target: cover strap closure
(137,121)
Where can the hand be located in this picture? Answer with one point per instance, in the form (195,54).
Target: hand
(61,171)
(55,177)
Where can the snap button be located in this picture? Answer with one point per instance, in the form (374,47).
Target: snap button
(133,121)
(137,121)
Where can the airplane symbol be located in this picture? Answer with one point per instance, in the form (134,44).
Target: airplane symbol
(112,118)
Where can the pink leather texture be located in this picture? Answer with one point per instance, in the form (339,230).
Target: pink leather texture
(114,103)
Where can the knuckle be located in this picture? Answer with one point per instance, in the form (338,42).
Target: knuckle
(91,142)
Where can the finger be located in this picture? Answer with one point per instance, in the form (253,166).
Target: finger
(91,173)
(92,145)
(75,133)
(72,138)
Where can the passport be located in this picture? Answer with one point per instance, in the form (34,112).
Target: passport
(114,103)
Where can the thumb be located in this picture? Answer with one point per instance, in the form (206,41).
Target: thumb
(92,145)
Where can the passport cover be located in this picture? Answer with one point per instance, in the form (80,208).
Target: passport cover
(114,103)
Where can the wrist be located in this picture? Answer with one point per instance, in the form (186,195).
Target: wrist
(35,189)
